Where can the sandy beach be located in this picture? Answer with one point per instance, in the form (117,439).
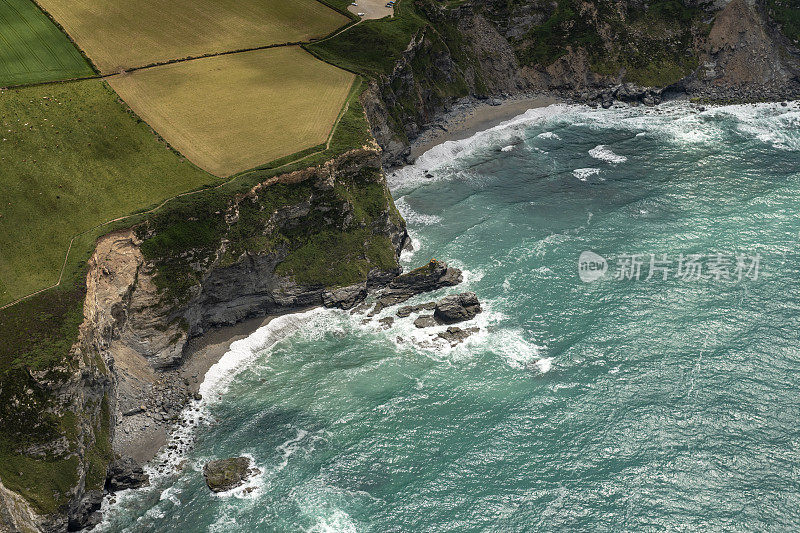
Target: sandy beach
(464,121)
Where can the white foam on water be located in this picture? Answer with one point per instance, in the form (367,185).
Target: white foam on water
(241,355)
(507,148)
(171,494)
(407,254)
(441,161)
(414,217)
(519,352)
(544,364)
(603,153)
(219,377)
(222,524)
(548,135)
(677,122)
(492,336)
(583,174)
(769,123)
(155,513)
(336,522)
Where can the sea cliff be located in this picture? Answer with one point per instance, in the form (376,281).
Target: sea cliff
(329,233)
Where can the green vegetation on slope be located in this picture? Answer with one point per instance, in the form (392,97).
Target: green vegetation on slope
(787,14)
(190,231)
(36,336)
(653,42)
(37,333)
(565,27)
(372,47)
(72,157)
(34,49)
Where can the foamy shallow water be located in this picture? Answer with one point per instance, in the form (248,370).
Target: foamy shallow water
(611,405)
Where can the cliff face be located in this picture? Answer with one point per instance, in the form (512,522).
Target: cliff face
(60,419)
(325,235)
(321,236)
(593,51)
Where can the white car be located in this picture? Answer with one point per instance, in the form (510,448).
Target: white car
(354,4)
(361,14)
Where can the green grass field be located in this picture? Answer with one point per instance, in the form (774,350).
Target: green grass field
(33,49)
(122,34)
(234,112)
(72,157)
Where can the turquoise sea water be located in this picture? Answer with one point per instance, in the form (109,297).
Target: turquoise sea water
(613,405)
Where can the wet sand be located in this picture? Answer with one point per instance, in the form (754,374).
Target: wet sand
(465,121)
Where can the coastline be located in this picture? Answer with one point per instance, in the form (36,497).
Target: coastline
(143,434)
(466,119)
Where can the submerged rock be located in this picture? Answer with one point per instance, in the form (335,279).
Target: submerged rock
(227,474)
(457,308)
(126,473)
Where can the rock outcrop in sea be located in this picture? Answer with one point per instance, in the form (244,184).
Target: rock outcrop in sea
(227,474)
(457,308)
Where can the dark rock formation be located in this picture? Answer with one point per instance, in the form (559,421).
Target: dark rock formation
(85,514)
(425,321)
(227,474)
(126,473)
(143,303)
(407,310)
(596,51)
(345,297)
(457,308)
(430,277)
(455,335)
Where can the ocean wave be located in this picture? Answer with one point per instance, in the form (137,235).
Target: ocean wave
(548,135)
(520,353)
(336,522)
(216,383)
(407,254)
(414,217)
(583,174)
(603,153)
(678,122)
(769,123)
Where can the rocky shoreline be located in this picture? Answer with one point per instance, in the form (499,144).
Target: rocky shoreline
(149,413)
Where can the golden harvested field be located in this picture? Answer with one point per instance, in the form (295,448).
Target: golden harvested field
(122,34)
(234,112)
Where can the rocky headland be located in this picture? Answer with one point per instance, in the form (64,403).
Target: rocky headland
(160,298)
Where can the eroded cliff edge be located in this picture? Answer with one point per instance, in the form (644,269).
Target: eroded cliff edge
(219,260)
(591,51)
(324,235)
